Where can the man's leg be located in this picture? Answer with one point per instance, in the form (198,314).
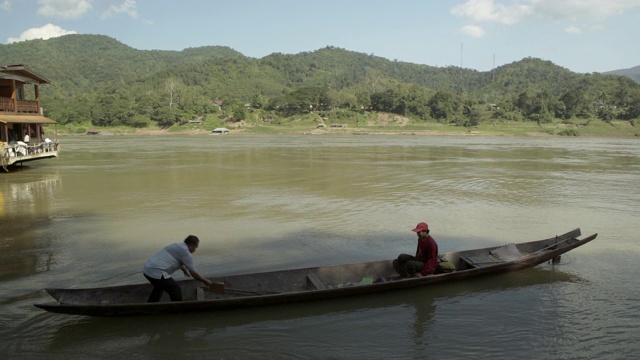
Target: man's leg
(400,264)
(172,287)
(413,267)
(169,285)
(156,293)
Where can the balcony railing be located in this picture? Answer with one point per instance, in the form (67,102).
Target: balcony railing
(21,152)
(19,106)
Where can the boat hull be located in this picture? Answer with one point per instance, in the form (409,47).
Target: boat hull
(307,284)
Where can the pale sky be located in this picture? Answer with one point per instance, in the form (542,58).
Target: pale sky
(581,35)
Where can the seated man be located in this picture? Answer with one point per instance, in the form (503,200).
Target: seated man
(21,148)
(425,261)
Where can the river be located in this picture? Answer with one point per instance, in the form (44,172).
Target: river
(93,216)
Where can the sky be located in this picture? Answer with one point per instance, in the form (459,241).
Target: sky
(583,36)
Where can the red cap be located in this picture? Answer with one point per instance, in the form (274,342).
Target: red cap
(421,227)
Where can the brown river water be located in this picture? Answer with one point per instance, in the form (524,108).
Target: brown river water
(93,216)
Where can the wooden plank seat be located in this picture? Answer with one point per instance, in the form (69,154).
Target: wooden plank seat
(315,281)
(481,260)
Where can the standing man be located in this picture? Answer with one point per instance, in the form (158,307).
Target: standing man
(426,260)
(159,267)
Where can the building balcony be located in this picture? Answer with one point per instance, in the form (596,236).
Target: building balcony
(19,106)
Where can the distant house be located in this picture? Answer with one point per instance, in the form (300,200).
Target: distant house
(217,103)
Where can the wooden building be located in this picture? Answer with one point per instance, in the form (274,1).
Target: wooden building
(22,136)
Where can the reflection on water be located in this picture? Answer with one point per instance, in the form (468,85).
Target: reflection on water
(31,197)
(93,216)
(25,215)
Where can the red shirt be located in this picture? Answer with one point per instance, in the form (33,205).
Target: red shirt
(427,252)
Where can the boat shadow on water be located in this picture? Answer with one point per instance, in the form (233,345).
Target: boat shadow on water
(419,304)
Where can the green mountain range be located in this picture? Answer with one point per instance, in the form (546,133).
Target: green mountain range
(97,77)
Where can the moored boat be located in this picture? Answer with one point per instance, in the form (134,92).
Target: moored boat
(306,284)
(22,136)
(220,131)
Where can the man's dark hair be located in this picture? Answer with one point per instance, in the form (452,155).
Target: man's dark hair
(192,240)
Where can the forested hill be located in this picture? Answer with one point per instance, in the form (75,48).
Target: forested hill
(77,62)
(633,73)
(91,75)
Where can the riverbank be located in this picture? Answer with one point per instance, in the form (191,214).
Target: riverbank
(593,128)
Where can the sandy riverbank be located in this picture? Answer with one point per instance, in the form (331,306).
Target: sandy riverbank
(525,129)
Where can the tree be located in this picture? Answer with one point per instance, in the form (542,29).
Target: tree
(524,103)
(474,115)
(388,101)
(633,109)
(443,105)
(373,80)
(173,87)
(69,109)
(258,101)
(111,110)
(363,99)
(138,121)
(238,112)
(572,100)
(301,101)
(542,101)
(417,98)
(340,99)
(166,116)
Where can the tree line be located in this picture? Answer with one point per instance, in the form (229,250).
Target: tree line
(173,102)
(109,84)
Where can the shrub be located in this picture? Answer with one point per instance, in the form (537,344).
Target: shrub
(138,121)
(569,132)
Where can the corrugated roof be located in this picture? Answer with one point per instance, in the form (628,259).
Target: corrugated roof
(25,119)
(21,70)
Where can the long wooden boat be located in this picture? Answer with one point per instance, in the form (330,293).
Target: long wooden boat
(305,284)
